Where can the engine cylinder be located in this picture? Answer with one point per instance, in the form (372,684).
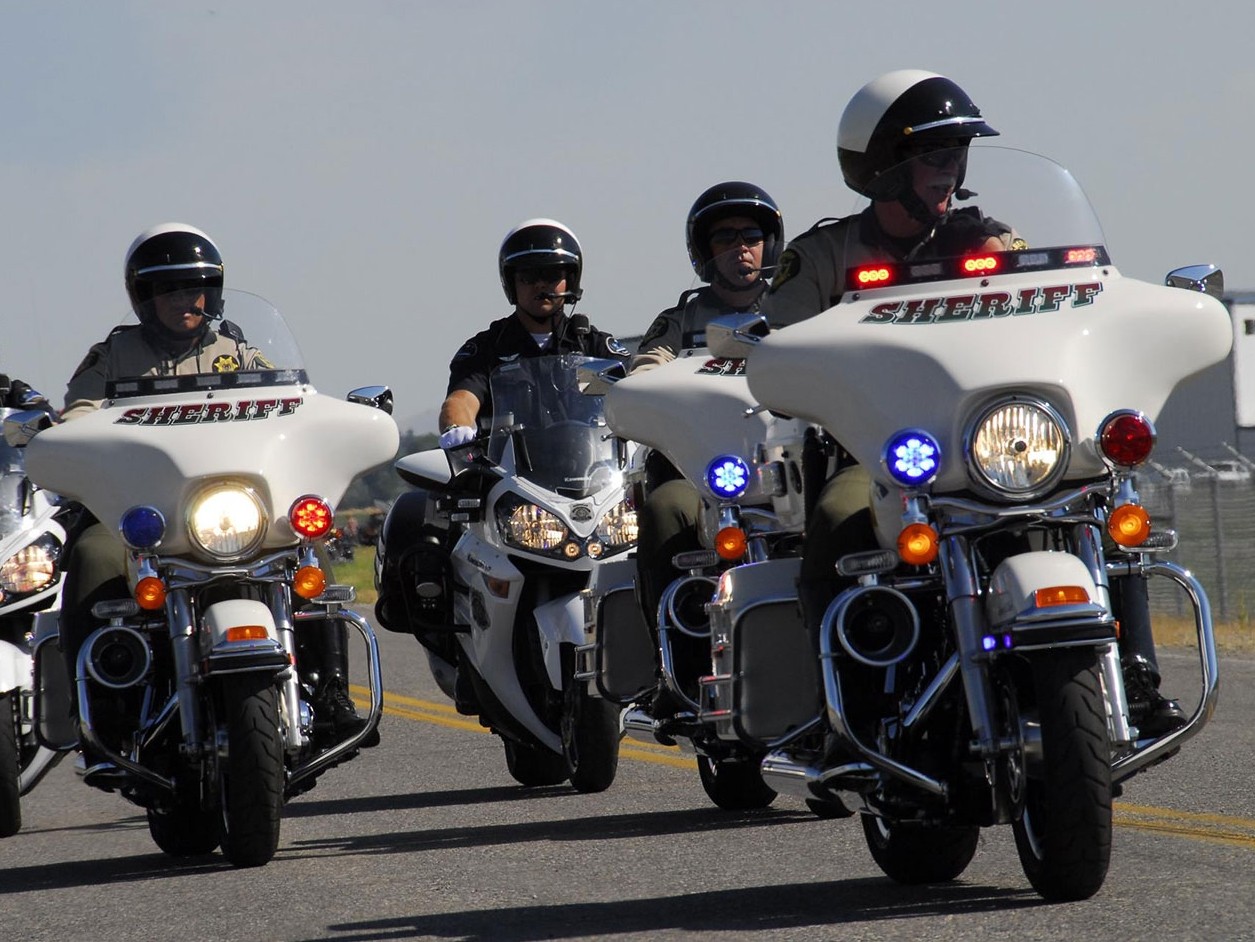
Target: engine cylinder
(118,657)
(876,625)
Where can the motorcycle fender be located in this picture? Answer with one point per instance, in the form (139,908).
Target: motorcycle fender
(560,621)
(258,652)
(1012,601)
(15,667)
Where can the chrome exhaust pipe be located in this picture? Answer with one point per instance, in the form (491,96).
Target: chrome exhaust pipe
(790,776)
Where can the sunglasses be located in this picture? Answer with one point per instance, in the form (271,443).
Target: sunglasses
(540,276)
(939,154)
(729,236)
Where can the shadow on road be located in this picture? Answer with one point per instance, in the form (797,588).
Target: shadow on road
(599,828)
(752,909)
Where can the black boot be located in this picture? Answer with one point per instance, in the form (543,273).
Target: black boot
(1150,711)
(335,715)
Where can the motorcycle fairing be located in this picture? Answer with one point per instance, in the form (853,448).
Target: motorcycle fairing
(15,667)
(111,467)
(492,651)
(1127,348)
(692,414)
(561,621)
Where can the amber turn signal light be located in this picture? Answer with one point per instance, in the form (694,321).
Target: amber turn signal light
(1129,525)
(917,544)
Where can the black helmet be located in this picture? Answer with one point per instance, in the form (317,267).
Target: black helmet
(170,257)
(733,198)
(539,243)
(892,116)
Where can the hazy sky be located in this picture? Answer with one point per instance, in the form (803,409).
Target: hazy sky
(359,163)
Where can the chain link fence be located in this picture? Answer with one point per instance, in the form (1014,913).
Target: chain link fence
(1213,513)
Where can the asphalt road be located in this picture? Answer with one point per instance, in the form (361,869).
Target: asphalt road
(427,837)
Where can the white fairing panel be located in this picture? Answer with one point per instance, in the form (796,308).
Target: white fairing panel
(863,379)
(692,409)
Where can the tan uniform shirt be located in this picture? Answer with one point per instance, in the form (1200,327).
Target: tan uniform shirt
(682,327)
(812,271)
(127,353)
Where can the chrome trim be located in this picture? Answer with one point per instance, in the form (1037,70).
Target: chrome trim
(1147,752)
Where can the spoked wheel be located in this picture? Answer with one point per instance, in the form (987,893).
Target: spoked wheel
(534,766)
(10,768)
(735,785)
(915,853)
(252,772)
(590,739)
(1064,834)
(184,829)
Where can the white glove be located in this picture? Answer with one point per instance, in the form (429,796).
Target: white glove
(456,435)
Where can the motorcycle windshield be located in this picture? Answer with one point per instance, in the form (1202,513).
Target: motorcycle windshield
(1013,293)
(12,484)
(247,345)
(559,436)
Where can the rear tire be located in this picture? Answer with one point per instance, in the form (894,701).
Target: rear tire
(735,786)
(590,739)
(10,768)
(914,854)
(534,766)
(252,772)
(1064,834)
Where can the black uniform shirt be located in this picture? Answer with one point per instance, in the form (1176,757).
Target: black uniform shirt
(507,339)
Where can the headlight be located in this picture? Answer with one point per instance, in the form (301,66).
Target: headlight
(1019,448)
(30,568)
(532,528)
(618,526)
(227,521)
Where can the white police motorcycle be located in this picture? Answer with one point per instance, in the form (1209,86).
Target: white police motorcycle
(32,539)
(220,486)
(486,566)
(747,467)
(1002,402)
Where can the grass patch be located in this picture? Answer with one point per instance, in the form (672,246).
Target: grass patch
(358,572)
(1234,636)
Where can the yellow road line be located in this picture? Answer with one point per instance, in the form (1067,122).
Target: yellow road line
(1229,830)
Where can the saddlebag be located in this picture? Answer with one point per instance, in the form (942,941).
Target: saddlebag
(766,678)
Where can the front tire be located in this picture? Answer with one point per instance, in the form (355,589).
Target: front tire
(1064,833)
(252,772)
(912,854)
(590,739)
(735,786)
(10,768)
(534,766)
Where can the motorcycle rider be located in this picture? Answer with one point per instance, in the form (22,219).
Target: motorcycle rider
(540,264)
(902,142)
(174,277)
(734,233)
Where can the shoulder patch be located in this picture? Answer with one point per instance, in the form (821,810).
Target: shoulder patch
(787,267)
(92,358)
(615,347)
(657,329)
(468,349)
